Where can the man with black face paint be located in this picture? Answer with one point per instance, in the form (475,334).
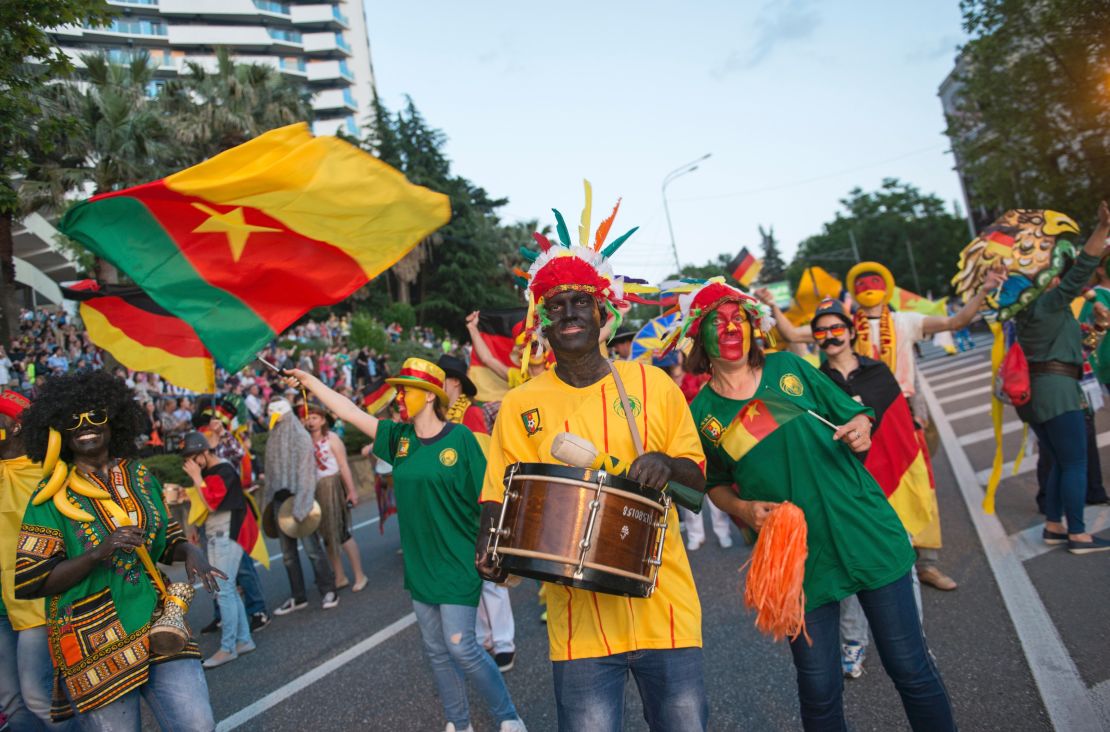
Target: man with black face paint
(597,639)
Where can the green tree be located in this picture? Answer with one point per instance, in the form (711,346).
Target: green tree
(774,268)
(899,226)
(28,58)
(1033,123)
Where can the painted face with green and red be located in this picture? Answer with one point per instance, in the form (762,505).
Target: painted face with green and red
(726,332)
(870,289)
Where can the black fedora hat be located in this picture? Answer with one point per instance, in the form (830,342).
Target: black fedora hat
(456,367)
(624,334)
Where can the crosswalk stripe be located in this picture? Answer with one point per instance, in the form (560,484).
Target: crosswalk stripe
(934,367)
(969,412)
(960,382)
(1029,464)
(977,366)
(964,394)
(979,435)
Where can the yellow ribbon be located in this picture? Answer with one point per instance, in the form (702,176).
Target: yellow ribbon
(122,519)
(998,350)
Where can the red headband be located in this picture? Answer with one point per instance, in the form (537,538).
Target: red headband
(13,403)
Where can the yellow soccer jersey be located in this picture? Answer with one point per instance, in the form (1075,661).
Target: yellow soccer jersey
(580,623)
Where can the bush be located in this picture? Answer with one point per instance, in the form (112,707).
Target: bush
(167,468)
(354,440)
(396,353)
(400,313)
(366,332)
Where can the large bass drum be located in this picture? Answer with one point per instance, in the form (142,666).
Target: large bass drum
(583,528)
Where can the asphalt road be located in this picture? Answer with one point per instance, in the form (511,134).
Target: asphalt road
(360,666)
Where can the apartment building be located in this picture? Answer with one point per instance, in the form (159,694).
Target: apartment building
(323,43)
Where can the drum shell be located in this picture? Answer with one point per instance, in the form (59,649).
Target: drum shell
(547,517)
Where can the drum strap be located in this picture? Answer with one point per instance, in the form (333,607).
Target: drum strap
(636,439)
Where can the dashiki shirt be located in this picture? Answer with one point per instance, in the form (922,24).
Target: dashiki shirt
(98,628)
(774,451)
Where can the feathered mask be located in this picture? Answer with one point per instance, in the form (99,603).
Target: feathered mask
(698,298)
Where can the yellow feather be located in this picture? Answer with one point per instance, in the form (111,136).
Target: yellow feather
(584,227)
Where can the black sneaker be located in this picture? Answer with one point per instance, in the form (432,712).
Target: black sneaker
(504,661)
(291,606)
(211,627)
(259,621)
(1089,547)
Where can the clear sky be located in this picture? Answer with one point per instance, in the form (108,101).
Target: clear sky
(798,101)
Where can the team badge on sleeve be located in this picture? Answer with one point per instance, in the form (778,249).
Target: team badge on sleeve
(531,420)
(403,447)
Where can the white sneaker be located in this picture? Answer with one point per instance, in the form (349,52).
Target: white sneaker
(852,659)
(290,606)
(219,658)
(513,725)
(331,600)
(726,542)
(245,647)
(693,545)
(452,728)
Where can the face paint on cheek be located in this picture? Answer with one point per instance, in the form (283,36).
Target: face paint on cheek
(708,331)
(734,340)
(413,402)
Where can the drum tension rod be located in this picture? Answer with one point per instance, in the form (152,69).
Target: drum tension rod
(657,560)
(585,543)
(499,532)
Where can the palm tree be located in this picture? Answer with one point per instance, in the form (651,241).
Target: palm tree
(217,110)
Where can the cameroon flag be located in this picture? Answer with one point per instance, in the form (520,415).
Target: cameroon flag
(752,423)
(142,336)
(496,327)
(243,244)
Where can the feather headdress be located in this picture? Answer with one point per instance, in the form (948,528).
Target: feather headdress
(565,266)
(698,298)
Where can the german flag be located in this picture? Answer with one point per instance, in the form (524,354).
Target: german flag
(744,267)
(245,243)
(143,336)
(377,396)
(496,327)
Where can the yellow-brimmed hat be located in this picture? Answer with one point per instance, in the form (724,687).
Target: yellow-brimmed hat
(419,373)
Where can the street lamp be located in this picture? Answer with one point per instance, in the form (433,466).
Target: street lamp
(678,172)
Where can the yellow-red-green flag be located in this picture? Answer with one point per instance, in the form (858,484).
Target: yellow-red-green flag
(245,243)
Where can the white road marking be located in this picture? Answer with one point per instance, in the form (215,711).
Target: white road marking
(277,556)
(960,382)
(1029,464)
(977,366)
(969,412)
(1101,694)
(1062,689)
(988,434)
(963,394)
(1029,543)
(931,368)
(310,677)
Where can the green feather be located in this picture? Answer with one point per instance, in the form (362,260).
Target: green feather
(529,254)
(544,320)
(617,319)
(561,227)
(616,243)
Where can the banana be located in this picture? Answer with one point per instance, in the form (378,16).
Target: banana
(53,450)
(67,509)
(120,516)
(53,486)
(82,486)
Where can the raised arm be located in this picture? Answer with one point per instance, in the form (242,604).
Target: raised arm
(482,350)
(790,332)
(340,406)
(963,317)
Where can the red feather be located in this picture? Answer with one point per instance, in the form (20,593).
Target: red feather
(542,240)
(604,226)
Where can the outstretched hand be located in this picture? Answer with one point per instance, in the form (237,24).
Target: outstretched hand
(856,433)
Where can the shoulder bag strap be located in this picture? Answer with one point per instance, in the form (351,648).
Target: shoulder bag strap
(636,439)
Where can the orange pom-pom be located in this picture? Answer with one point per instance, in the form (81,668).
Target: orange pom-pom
(775,574)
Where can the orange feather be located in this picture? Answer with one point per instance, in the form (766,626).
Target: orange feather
(604,226)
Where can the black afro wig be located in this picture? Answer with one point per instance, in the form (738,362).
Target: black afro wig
(63,396)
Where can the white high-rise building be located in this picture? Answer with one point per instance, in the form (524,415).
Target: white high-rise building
(321,42)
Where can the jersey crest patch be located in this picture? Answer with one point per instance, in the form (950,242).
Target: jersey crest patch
(791,384)
(531,420)
(711,427)
(448,456)
(633,402)
(403,447)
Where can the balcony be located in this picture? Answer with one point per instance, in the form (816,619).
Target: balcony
(294,67)
(326,45)
(125,27)
(237,37)
(249,11)
(330,72)
(334,101)
(160,58)
(319,17)
(138,4)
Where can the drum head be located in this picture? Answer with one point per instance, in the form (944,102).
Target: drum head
(592,579)
(545,470)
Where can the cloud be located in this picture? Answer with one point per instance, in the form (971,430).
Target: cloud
(943,47)
(777,23)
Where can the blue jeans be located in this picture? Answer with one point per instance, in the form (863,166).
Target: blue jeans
(589,692)
(892,614)
(249,582)
(455,657)
(1064,437)
(26,678)
(177,694)
(224,554)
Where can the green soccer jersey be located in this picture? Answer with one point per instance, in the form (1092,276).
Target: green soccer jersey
(436,482)
(773,450)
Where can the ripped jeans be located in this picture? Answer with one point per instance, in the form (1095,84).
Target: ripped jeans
(455,657)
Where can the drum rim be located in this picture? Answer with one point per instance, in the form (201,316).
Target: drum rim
(586,475)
